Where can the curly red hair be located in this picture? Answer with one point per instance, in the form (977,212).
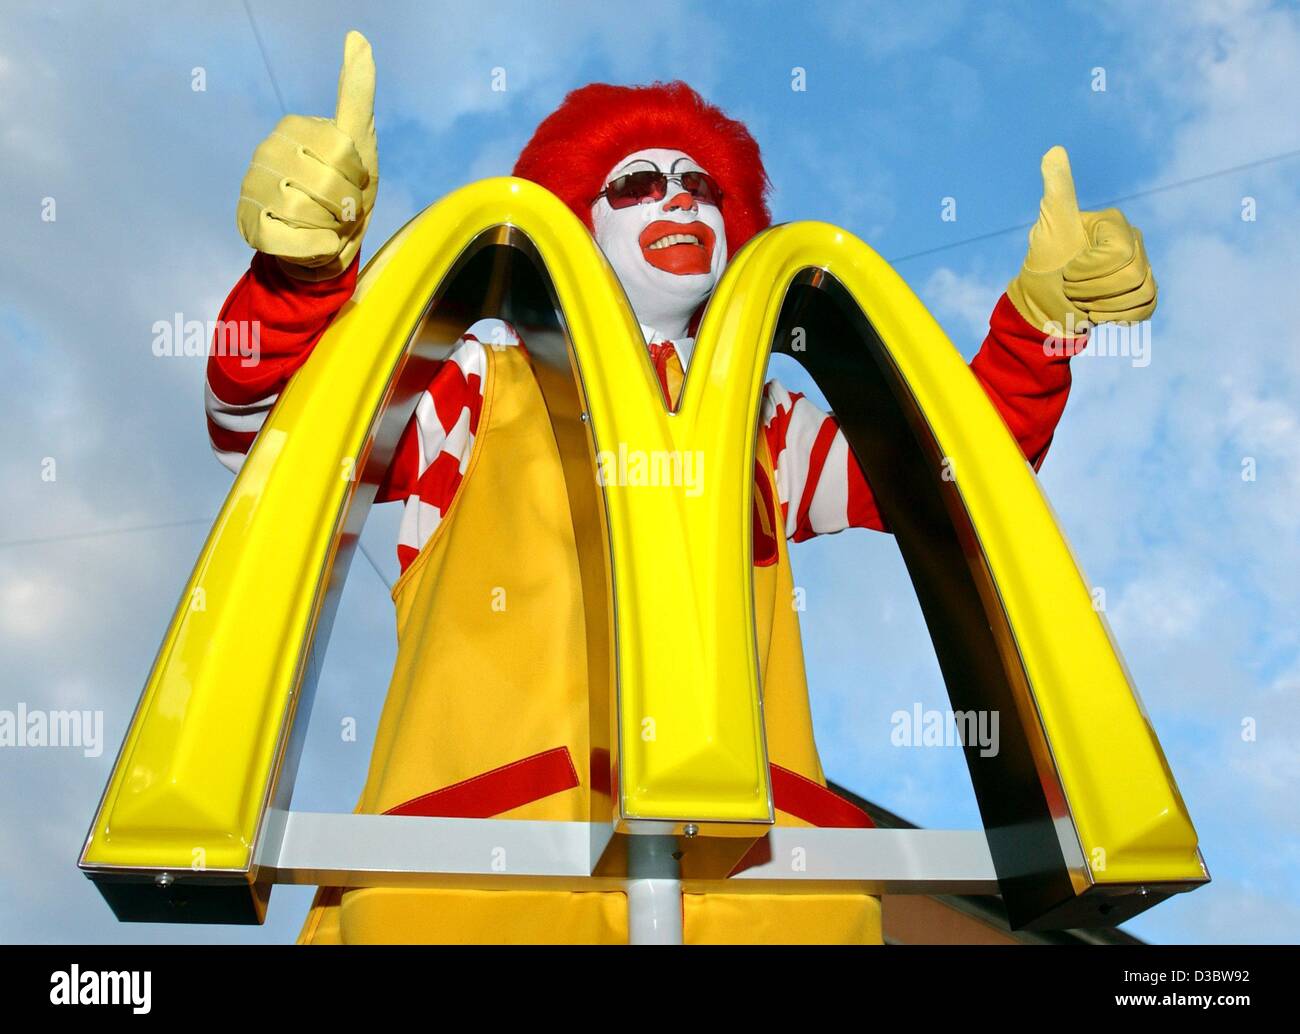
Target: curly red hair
(576,145)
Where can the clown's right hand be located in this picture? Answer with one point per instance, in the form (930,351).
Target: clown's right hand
(311,185)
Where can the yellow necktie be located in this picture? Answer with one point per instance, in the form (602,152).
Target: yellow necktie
(669,368)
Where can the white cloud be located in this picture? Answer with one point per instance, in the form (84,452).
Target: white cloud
(962,302)
(32,605)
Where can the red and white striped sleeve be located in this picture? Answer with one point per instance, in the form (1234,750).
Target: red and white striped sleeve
(819,484)
(435,448)
(291,316)
(232,427)
(822,489)
(285,318)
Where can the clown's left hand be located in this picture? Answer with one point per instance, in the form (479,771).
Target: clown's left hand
(1082,267)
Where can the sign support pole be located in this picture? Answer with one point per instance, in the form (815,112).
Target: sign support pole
(654,890)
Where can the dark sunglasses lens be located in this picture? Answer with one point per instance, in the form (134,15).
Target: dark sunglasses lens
(634,188)
(701,187)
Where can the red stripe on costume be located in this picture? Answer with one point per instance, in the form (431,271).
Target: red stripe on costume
(778,427)
(437,485)
(500,790)
(766,550)
(808,800)
(816,461)
(230,441)
(862,509)
(453,393)
(405,555)
(404,469)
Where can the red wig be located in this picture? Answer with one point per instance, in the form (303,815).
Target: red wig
(577,145)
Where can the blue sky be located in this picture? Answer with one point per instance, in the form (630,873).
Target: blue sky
(905,105)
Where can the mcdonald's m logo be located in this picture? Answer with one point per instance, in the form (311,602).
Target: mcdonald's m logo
(1084,821)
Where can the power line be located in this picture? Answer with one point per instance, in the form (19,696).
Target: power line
(1111,203)
(275,85)
(374,566)
(102,533)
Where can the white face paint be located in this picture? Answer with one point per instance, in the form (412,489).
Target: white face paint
(666,278)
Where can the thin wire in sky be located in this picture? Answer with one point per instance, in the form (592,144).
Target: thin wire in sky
(266,61)
(39,540)
(1110,203)
(374,566)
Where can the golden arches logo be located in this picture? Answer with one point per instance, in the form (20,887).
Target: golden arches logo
(1080,773)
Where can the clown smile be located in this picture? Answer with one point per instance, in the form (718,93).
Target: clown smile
(681,248)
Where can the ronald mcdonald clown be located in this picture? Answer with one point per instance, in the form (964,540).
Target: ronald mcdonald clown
(486,713)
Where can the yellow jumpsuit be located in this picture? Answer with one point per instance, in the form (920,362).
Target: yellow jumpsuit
(491,678)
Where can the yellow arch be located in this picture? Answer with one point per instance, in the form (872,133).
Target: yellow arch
(204,752)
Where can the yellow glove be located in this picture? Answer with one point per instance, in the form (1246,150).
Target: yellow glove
(311,185)
(1082,267)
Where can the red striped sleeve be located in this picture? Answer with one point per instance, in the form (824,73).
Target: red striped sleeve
(290,315)
(821,487)
(430,467)
(1028,382)
(278,320)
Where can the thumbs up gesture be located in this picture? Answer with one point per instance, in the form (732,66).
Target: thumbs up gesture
(311,185)
(1082,267)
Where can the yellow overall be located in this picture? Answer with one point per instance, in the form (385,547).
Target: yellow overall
(491,672)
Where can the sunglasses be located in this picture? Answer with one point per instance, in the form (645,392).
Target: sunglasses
(652,185)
